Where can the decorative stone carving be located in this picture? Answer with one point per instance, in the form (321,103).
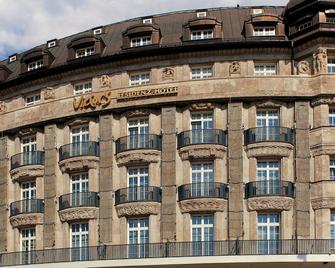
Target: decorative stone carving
(105,81)
(78,163)
(323,149)
(203,205)
(280,149)
(323,100)
(320,203)
(270,203)
(28,219)
(24,172)
(78,213)
(27,132)
(235,68)
(269,104)
(78,121)
(201,151)
(49,93)
(137,113)
(304,67)
(320,61)
(201,106)
(137,209)
(138,156)
(3,107)
(168,73)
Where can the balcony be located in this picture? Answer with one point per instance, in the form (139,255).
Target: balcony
(26,212)
(269,141)
(202,143)
(78,206)
(204,196)
(79,156)
(141,148)
(142,200)
(269,195)
(27,165)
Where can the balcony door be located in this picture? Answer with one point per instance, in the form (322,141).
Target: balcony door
(202,179)
(268,178)
(201,128)
(138,238)
(28,245)
(267,122)
(28,147)
(138,130)
(332,230)
(268,231)
(202,235)
(79,186)
(28,192)
(79,241)
(79,139)
(138,182)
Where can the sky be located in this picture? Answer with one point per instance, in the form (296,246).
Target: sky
(25,24)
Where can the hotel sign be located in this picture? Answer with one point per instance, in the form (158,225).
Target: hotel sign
(104,99)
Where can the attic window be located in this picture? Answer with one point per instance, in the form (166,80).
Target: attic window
(147,21)
(305,25)
(257,11)
(35,65)
(264,31)
(97,31)
(201,14)
(51,43)
(330,20)
(12,58)
(84,52)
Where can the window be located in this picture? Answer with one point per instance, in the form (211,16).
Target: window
(202,233)
(79,241)
(79,188)
(33,99)
(51,43)
(331,64)
(138,182)
(139,79)
(332,169)
(268,230)
(35,65)
(140,41)
(331,116)
(266,118)
(201,72)
(138,130)
(256,11)
(264,31)
(332,229)
(28,245)
(28,190)
(330,20)
(12,58)
(201,126)
(97,31)
(202,34)
(201,14)
(28,144)
(147,21)
(82,88)
(84,52)
(268,178)
(138,237)
(304,25)
(265,69)
(202,175)
(79,140)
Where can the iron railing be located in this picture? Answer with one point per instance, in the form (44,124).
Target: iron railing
(81,199)
(139,141)
(140,193)
(269,187)
(274,133)
(84,148)
(202,190)
(171,249)
(27,159)
(27,206)
(201,136)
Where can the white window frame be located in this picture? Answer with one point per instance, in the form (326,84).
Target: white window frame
(28,190)
(332,229)
(141,41)
(203,248)
(330,64)
(32,99)
(202,34)
(265,69)
(37,64)
(12,58)
(331,116)
(201,72)
(141,249)
(28,144)
(81,180)
(264,31)
(147,21)
(81,250)
(268,225)
(269,168)
(81,132)
(97,31)
(331,168)
(51,43)
(257,11)
(28,245)
(201,14)
(203,118)
(85,52)
(138,79)
(268,117)
(305,25)
(330,20)
(82,88)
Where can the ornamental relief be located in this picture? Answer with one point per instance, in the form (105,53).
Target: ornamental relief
(27,132)
(202,205)
(49,93)
(234,68)
(323,100)
(78,163)
(24,172)
(270,203)
(78,213)
(269,149)
(201,151)
(303,68)
(202,106)
(22,220)
(138,209)
(3,107)
(320,61)
(137,157)
(323,203)
(168,74)
(137,113)
(323,149)
(105,81)
(269,104)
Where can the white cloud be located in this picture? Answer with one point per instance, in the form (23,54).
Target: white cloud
(25,24)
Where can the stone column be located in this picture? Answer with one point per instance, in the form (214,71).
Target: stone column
(105,180)
(50,166)
(168,174)
(302,152)
(4,168)
(235,158)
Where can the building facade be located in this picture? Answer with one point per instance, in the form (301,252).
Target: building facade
(204,134)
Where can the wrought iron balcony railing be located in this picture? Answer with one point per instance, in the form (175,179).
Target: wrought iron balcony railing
(139,141)
(260,134)
(81,199)
(137,194)
(27,159)
(203,190)
(201,136)
(26,206)
(269,187)
(84,148)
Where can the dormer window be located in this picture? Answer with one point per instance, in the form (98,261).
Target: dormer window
(84,52)
(97,31)
(256,11)
(304,25)
(33,99)
(140,41)
(201,14)
(330,20)
(51,43)
(35,65)
(264,31)
(202,34)
(82,88)
(12,58)
(147,21)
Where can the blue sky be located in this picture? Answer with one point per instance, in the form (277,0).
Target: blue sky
(25,24)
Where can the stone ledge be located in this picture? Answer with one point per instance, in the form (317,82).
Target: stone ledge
(28,219)
(138,157)
(321,203)
(78,213)
(260,149)
(270,203)
(203,205)
(138,209)
(78,163)
(26,172)
(201,151)
(322,149)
